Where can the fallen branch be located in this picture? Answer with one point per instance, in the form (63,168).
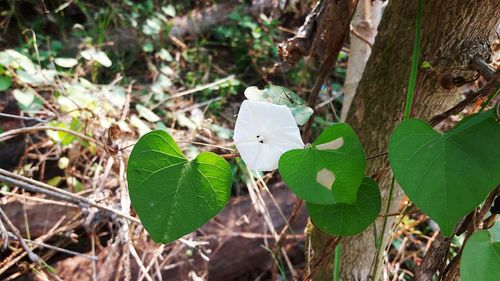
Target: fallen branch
(28,130)
(47,246)
(40,187)
(194,90)
(32,256)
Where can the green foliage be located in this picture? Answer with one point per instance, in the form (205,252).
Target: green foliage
(252,41)
(171,194)
(447,175)
(348,219)
(328,171)
(481,256)
(282,96)
(5,83)
(65,138)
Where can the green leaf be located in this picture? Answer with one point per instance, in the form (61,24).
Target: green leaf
(102,59)
(14,59)
(139,124)
(66,62)
(25,97)
(96,55)
(148,47)
(328,171)
(38,77)
(152,26)
(481,258)
(147,114)
(61,137)
(165,55)
(173,195)
(348,219)
(282,96)
(447,175)
(5,83)
(169,10)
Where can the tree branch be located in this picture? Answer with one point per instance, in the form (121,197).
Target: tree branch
(40,187)
(483,92)
(477,63)
(434,258)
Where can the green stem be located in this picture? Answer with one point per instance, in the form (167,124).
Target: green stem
(490,98)
(414,63)
(379,252)
(336,267)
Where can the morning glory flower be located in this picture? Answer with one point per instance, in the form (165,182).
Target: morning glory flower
(263,132)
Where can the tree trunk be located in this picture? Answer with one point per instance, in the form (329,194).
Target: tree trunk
(452,32)
(364,29)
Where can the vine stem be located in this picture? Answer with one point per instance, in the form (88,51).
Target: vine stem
(414,64)
(490,98)
(412,81)
(378,254)
(336,268)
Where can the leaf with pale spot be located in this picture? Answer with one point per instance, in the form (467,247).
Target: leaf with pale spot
(328,171)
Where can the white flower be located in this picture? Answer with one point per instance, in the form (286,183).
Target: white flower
(263,132)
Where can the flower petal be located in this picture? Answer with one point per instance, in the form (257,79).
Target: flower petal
(263,132)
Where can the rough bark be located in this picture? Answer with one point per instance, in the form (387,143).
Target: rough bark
(452,32)
(322,34)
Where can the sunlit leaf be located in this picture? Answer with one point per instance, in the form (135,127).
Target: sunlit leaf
(172,195)
(281,96)
(165,55)
(39,77)
(140,125)
(96,55)
(25,97)
(169,10)
(147,114)
(14,59)
(66,62)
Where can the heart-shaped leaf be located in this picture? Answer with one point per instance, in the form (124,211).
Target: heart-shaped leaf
(447,175)
(5,83)
(348,219)
(328,171)
(281,96)
(481,257)
(173,195)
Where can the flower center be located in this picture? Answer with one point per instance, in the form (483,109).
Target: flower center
(260,139)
